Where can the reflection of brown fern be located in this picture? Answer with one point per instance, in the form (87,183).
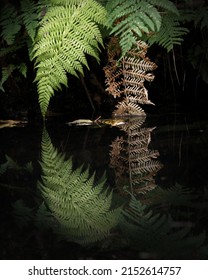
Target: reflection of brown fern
(125,79)
(134,164)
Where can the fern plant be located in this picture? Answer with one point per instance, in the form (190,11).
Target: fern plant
(81,207)
(18,30)
(61,34)
(7,71)
(175,196)
(30,14)
(153,233)
(10,23)
(143,19)
(68,32)
(197,52)
(170,34)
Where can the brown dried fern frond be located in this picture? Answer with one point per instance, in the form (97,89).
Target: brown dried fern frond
(141,97)
(126,77)
(126,108)
(113,79)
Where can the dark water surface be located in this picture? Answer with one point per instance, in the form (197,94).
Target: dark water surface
(179,166)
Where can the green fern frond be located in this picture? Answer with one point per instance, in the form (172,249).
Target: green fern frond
(5,73)
(198,57)
(11,164)
(23,69)
(165,5)
(3,167)
(201,18)
(150,20)
(153,232)
(67,33)
(130,19)
(170,33)
(10,49)
(29,13)
(80,207)
(10,23)
(65,2)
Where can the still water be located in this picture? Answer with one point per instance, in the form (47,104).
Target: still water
(153,201)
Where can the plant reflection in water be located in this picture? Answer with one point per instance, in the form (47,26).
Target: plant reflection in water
(135,219)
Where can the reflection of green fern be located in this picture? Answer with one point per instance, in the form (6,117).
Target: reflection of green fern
(131,20)
(11,164)
(154,234)
(177,195)
(67,33)
(80,207)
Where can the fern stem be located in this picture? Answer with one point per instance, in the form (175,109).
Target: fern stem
(86,91)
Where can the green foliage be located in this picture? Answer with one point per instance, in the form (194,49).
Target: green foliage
(22,213)
(9,50)
(201,18)
(177,195)
(11,164)
(197,53)
(165,6)
(154,233)
(10,23)
(8,70)
(78,209)
(12,19)
(67,33)
(61,34)
(5,73)
(198,56)
(170,33)
(81,207)
(30,17)
(14,37)
(150,20)
(3,168)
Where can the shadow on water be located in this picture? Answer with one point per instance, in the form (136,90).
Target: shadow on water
(151,202)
